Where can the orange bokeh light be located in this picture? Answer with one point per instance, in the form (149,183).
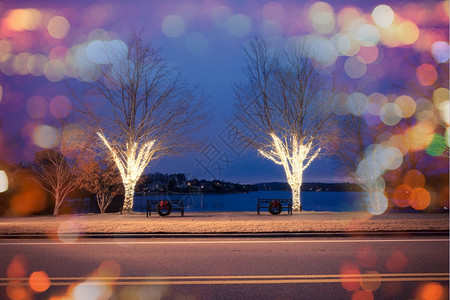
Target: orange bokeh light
(17,267)
(421,199)
(402,195)
(366,257)
(350,269)
(426,74)
(430,291)
(414,178)
(362,295)
(39,281)
(396,262)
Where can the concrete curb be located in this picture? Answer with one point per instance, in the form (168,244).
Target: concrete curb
(370,234)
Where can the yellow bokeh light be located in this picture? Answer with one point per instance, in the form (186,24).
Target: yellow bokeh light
(407,105)
(20,63)
(58,27)
(346,15)
(383,15)
(389,36)
(408,33)
(5,48)
(24,19)
(440,95)
(420,135)
(3,181)
(321,15)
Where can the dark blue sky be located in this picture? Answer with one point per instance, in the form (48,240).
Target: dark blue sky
(205,39)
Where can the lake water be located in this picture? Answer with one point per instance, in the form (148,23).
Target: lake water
(311,201)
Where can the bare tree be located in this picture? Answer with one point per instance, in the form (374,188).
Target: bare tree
(144,109)
(55,175)
(288,104)
(102,179)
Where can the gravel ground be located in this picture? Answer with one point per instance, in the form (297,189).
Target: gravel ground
(225,222)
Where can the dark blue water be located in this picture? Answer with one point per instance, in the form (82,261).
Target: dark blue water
(311,201)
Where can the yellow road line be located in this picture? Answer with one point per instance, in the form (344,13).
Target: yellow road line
(250,279)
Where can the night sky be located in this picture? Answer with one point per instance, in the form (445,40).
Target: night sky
(41,46)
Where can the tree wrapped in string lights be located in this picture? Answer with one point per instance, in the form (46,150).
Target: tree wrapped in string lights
(287,104)
(139,107)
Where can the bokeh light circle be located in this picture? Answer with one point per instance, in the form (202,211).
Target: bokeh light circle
(45,136)
(426,74)
(197,43)
(37,107)
(383,15)
(407,105)
(357,103)
(3,181)
(239,25)
(421,199)
(402,194)
(437,145)
(355,67)
(414,178)
(39,281)
(408,33)
(390,114)
(376,203)
(440,51)
(173,26)
(58,27)
(60,107)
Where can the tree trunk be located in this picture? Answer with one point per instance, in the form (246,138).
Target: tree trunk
(296,200)
(56,208)
(129,196)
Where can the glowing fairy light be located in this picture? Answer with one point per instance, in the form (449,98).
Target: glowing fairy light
(131,164)
(294,157)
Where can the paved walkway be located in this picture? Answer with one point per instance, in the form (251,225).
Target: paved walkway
(225,222)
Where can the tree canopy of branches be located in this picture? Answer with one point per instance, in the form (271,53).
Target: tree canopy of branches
(55,175)
(287,103)
(140,108)
(102,179)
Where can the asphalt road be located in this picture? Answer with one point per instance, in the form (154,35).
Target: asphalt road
(253,268)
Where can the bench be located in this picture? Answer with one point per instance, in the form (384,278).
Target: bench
(176,205)
(266,203)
